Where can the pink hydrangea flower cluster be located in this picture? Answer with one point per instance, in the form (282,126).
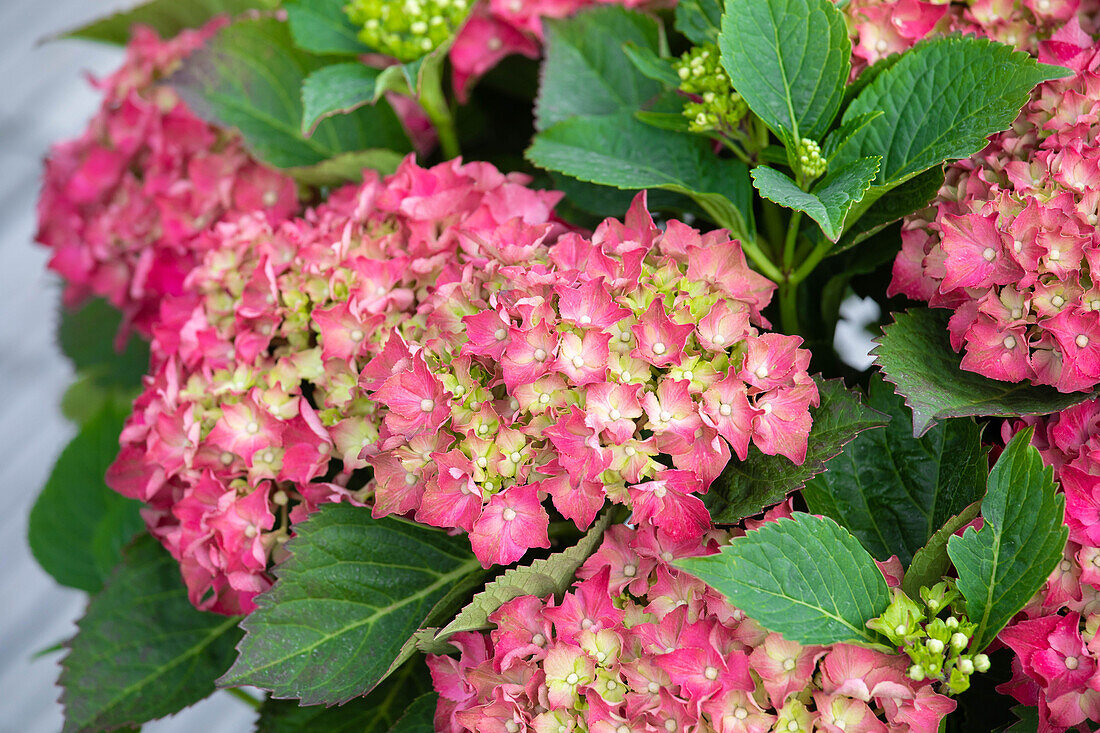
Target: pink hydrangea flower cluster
(1011,243)
(568,371)
(124,206)
(499,28)
(879,28)
(257,409)
(639,647)
(1057,666)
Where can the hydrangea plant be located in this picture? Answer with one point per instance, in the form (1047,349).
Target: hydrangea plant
(542,427)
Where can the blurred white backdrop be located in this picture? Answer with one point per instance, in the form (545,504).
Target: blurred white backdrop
(44,97)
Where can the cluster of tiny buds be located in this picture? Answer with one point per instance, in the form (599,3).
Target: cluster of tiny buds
(714,105)
(809,157)
(407,29)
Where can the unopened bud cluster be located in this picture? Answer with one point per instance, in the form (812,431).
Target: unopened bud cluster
(809,157)
(714,105)
(936,646)
(407,29)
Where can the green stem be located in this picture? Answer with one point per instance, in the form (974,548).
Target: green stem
(792,238)
(773,222)
(811,262)
(435,106)
(243,697)
(788,308)
(765,265)
(734,148)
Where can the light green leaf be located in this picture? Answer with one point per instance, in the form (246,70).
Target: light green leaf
(587,71)
(940,101)
(346,604)
(650,64)
(78,525)
(141,650)
(805,578)
(620,151)
(674,121)
(336,89)
(322,27)
(167,17)
(250,76)
(842,134)
(699,20)
(378,712)
(748,487)
(347,168)
(830,200)
(789,60)
(893,491)
(915,354)
(1002,565)
(545,576)
(931,562)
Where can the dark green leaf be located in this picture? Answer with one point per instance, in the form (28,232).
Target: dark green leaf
(915,354)
(1028,719)
(830,200)
(900,201)
(840,135)
(420,717)
(78,525)
(931,562)
(87,336)
(587,72)
(941,100)
(322,27)
(747,487)
(893,491)
(650,64)
(1002,565)
(805,578)
(346,603)
(699,20)
(789,60)
(166,17)
(545,576)
(378,712)
(618,150)
(249,76)
(141,650)
(674,121)
(334,90)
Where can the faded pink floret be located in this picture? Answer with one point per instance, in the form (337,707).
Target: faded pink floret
(1011,242)
(669,655)
(125,205)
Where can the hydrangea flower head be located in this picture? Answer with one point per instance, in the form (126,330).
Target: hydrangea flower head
(258,409)
(1010,243)
(637,645)
(125,205)
(565,371)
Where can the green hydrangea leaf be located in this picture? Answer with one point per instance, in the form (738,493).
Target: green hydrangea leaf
(915,355)
(913,195)
(347,168)
(620,151)
(420,715)
(545,576)
(1002,565)
(346,603)
(87,336)
(699,20)
(748,487)
(829,201)
(249,77)
(893,491)
(78,525)
(805,578)
(789,60)
(167,17)
(322,27)
(336,89)
(940,101)
(378,712)
(587,71)
(931,562)
(142,651)
(651,65)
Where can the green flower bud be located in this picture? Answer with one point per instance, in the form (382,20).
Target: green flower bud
(965,665)
(916,673)
(900,619)
(702,76)
(938,597)
(959,641)
(809,157)
(981,663)
(407,29)
(935,646)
